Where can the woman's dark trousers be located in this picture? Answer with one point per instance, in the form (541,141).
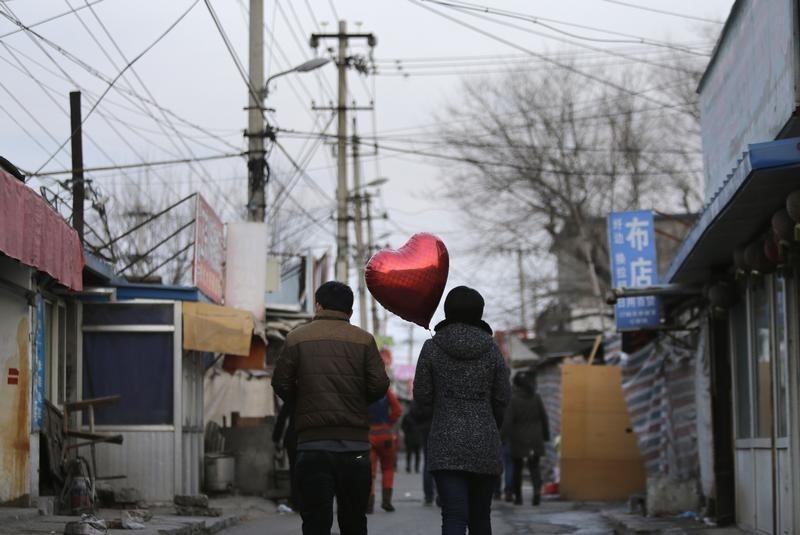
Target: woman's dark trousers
(466,501)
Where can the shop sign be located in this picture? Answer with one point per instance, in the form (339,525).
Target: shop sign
(209,251)
(634,264)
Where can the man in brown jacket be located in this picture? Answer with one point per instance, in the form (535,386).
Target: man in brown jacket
(332,371)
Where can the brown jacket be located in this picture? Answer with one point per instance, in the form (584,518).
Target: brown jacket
(333,371)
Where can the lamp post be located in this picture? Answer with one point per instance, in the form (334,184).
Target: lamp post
(310,65)
(256,161)
(357,197)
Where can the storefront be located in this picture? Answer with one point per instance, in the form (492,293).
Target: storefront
(744,255)
(40,266)
(148,344)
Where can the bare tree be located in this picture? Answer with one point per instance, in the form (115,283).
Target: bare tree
(547,154)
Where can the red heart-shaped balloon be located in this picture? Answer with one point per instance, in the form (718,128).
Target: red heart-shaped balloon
(410,281)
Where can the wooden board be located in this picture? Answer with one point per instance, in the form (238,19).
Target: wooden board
(600,459)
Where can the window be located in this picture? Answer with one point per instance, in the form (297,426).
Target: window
(761,358)
(781,359)
(138,367)
(55,351)
(741,366)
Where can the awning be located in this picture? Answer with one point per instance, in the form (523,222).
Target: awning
(36,235)
(217,329)
(739,210)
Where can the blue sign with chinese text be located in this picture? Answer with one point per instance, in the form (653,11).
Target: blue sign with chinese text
(631,238)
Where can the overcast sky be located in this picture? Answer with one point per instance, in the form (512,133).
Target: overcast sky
(192,77)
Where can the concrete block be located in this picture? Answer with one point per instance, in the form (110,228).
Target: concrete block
(197,500)
(667,496)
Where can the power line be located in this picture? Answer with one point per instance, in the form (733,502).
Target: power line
(333,9)
(127,93)
(166,118)
(663,12)
(490,163)
(637,59)
(141,165)
(546,59)
(299,171)
(542,21)
(49,19)
(255,93)
(16,21)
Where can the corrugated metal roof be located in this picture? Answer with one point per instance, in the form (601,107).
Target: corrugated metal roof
(739,210)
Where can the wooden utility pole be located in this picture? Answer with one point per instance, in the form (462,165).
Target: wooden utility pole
(342,194)
(376,322)
(341,160)
(78,186)
(256,196)
(359,224)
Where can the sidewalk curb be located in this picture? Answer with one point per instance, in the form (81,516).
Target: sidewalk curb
(630,524)
(194,525)
(16,514)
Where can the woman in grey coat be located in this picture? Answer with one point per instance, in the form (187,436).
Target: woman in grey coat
(462,381)
(526,429)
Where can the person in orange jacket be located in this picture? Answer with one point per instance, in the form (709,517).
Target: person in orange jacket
(383,414)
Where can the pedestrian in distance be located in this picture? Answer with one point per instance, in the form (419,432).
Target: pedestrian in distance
(411,441)
(333,372)
(463,380)
(526,428)
(383,414)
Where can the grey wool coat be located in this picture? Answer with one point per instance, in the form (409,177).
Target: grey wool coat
(462,381)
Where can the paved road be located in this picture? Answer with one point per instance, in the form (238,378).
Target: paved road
(413,518)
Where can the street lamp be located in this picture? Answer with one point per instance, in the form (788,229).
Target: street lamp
(256,161)
(310,65)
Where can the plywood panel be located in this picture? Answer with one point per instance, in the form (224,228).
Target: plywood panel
(593,389)
(608,480)
(600,459)
(606,437)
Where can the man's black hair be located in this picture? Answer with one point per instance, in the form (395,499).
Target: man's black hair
(335,295)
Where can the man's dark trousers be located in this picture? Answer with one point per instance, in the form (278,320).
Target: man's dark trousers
(323,475)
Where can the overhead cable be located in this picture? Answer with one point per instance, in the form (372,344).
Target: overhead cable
(663,12)
(542,21)
(16,21)
(544,57)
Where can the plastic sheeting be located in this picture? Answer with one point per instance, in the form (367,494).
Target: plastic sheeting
(36,235)
(658,383)
(248,393)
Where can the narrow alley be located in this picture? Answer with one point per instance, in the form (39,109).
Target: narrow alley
(413,518)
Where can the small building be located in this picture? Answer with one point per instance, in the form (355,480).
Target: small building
(41,260)
(151,344)
(742,257)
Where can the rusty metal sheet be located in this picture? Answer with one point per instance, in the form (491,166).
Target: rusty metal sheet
(15,389)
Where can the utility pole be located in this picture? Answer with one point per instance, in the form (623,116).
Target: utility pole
(341,160)
(256,196)
(343,62)
(78,187)
(359,224)
(522,315)
(376,322)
